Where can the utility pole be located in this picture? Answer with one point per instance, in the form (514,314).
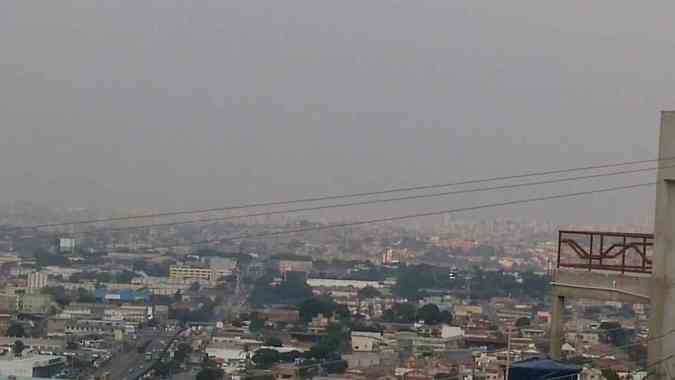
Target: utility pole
(508,355)
(662,297)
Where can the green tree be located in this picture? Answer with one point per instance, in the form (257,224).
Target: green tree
(609,374)
(343,313)
(446,316)
(256,325)
(369,292)
(523,322)
(265,358)
(182,352)
(312,307)
(43,258)
(401,313)
(430,314)
(411,280)
(16,330)
(85,296)
(18,347)
(615,333)
(330,345)
(273,341)
(293,289)
(58,293)
(211,374)
(124,277)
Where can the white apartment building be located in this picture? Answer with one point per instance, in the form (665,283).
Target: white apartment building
(38,280)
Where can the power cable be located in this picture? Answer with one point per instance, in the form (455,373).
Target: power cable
(412,216)
(340,196)
(367,202)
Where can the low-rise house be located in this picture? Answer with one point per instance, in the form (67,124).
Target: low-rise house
(279,315)
(366,341)
(56,327)
(127,313)
(584,337)
(35,303)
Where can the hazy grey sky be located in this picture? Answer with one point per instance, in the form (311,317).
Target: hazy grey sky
(173,104)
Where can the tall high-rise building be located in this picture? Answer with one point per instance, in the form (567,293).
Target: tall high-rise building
(37,280)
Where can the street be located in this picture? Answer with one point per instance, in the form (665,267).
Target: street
(131,364)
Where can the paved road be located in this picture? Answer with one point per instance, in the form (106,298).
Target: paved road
(132,364)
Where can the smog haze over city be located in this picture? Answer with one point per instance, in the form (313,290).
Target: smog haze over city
(168,105)
(337,190)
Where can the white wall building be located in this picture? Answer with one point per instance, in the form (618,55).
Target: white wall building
(41,366)
(38,280)
(333,283)
(365,341)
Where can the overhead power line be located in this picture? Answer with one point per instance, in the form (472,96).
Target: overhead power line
(411,216)
(341,196)
(370,201)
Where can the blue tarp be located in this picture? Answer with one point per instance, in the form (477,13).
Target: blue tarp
(541,369)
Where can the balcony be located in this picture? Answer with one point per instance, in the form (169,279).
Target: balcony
(605,251)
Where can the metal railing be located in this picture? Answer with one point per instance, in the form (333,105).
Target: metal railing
(610,251)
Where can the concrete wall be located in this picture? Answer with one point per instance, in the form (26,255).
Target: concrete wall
(662,320)
(602,286)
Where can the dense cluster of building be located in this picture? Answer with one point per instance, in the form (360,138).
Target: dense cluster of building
(293,308)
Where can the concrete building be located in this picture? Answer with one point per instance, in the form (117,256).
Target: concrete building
(451,332)
(411,342)
(282,315)
(32,366)
(159,313)
(365,341)
(56,327)
(37,280)
(67,245)
(222,266)
(78,310)
(337,284)
(126,313)
(34,303)
(166,286)
(88,327)
(468,311)
(122,296)
(187,272)
(583,337)
(295,265)
(5,321)
(36,344)
(8,303)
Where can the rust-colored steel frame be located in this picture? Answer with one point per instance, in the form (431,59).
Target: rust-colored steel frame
(591,256)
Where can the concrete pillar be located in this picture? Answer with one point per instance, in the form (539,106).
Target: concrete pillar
(662,294)
(556,326)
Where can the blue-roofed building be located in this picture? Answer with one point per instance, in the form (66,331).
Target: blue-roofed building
(105,296)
